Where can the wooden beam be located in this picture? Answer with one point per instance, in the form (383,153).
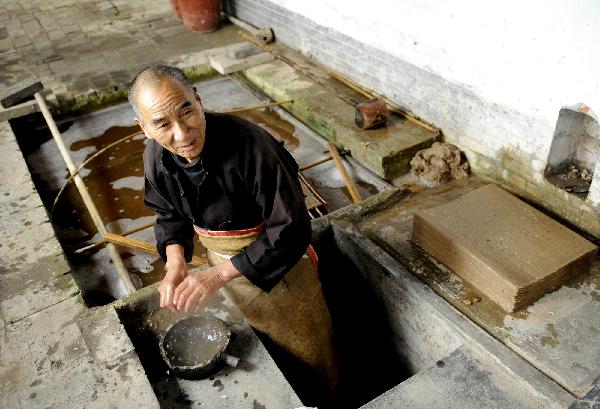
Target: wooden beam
(145,247)
(125,233)
(84,193)
(317,163)
(349,182)
(251,108)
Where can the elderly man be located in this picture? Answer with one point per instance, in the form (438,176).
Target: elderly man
(233,184)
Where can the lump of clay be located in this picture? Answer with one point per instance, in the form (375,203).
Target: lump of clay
(440,163)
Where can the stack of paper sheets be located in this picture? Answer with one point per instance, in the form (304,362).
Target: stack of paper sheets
(505,248)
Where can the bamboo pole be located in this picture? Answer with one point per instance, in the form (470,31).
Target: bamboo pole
(125,233)
(144,246)
(310,187)
(252,108)
(349,182)
(85,195)
(316,163)
(241,24)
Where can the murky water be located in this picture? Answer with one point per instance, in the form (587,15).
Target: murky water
(195,341)
(282,129)
(114,179)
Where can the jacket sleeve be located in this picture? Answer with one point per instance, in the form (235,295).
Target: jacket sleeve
(171,227)
(271,176)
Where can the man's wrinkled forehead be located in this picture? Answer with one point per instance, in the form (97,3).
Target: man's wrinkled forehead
(159,93)
(151,82)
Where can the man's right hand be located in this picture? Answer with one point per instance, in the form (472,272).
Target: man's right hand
(175,274)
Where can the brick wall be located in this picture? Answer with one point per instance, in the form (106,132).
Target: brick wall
(467,119)
(505,126)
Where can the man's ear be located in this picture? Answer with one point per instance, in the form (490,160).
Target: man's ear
(141,125)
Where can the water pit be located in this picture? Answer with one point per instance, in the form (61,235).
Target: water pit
(115,181)
(384,334)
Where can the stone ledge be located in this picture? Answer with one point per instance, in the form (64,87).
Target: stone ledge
(461,380)
(386,151)
(37,297)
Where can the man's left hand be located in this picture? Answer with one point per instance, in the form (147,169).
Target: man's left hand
(191,294)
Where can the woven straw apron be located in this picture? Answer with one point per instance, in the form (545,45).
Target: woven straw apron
(293,314)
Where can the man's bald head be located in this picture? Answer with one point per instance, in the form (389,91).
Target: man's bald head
(153,74)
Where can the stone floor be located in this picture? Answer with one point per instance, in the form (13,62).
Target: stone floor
(54,351)
(75,47)
(46,357)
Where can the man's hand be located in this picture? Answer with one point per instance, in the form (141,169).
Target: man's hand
(175,274)
(191,294)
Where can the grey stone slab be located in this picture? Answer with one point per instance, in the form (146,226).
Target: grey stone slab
(46,269)
(23,196)
(71,387)
(581,404)
(104,335)
(26,238)
(45,361)
(236,57)
(558,334)
(123,384)
(43,358)
(461,380)
(38,336)
(589,401)
(37,297)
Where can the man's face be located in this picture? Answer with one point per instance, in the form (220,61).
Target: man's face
(172,115)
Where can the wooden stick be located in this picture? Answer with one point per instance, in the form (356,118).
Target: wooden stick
(139,228)
(312,165)
(251,108)
(85,195)
(125,233)
(349,182)
(85,162)
(144,246)
(310,187)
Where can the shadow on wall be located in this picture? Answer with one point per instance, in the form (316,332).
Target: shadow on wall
(369,363)
(575,150)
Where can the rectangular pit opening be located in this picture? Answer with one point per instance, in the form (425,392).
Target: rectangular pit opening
(115,181)
(383,335)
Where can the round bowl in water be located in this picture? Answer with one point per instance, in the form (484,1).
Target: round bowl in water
(193,346)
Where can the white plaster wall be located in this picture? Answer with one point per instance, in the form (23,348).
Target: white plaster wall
(532,56)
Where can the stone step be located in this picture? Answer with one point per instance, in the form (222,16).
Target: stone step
(461,380)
